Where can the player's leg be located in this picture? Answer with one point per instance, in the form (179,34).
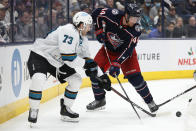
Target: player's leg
(35,95)
(37,69)
(132,72)
(68,74)
(142,89)
(99,93)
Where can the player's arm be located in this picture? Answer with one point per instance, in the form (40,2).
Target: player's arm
(91,68)
(135,32)
(116,64)
(99,16)
(128,51)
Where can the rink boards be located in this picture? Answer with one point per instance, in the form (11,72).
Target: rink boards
(159,59)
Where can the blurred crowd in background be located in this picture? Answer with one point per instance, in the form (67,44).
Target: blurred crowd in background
(26,20)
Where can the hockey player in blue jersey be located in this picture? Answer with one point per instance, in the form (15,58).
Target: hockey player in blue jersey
(119,31)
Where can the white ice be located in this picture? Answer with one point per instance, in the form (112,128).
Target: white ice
(118,115)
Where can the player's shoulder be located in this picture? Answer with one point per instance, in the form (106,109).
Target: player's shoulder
(67,28)
(115,12)
(110,12)
(135,30)
(69,25)
(96,11)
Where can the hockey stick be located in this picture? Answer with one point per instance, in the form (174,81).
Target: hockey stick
(122,96)
(128,97)
(104,25)
(177,96)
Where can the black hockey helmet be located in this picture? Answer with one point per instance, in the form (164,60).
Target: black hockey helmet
(132,9)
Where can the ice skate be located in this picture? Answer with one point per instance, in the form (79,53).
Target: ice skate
(33,114)
(67,114)
(152,106)
(97,105)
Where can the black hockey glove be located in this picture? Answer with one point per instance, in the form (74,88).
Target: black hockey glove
(91,68)
(64,72)
(100,35)
(104,82)
(114,70)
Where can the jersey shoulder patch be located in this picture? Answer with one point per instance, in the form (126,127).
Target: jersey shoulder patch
(137,28)
(115,12)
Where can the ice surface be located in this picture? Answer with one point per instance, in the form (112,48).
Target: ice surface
(118,115)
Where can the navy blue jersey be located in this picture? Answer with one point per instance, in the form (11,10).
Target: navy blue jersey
(119,37)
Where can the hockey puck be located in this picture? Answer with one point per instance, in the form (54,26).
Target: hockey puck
(190,99)
(178,114)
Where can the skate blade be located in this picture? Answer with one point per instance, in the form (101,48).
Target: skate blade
(68,119)
(97,109)
(155,112)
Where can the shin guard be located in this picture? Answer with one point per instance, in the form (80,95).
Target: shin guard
(35,90)
(98,92)
(141,87)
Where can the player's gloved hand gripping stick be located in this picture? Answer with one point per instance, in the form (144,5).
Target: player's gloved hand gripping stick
(91,70)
